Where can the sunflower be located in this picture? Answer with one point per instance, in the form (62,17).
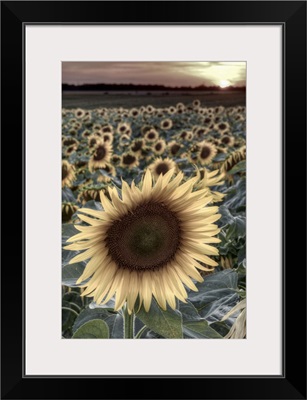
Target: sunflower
(124,140)
(150,109)
(196,103)
(162,166)
(173,147)
(171,110)
(234,158)
(129,160)
(107,129)
(90,193)
(151,135)
(85,134)
(137,145)
(79,113)
(166,124)
(96,127)
(123,128)
(201,131)
(92,140)
(134,112)
(70,149)
(107,137)
(115,159)
(148,243)
(222,127)
(186,135)
(101,156)
(228,140)
(68,141)
(68,174)
(145,129)
(159,147)
(207,152)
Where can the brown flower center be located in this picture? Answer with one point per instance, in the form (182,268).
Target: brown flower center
(128,159)
(145,239)
(226,140)
(205,152)
(158,146)
(175,148)
(100,153)
(137,146)
(162,168)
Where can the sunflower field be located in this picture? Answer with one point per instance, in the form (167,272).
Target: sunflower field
(154,222)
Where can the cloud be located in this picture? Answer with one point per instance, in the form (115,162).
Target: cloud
(167,73)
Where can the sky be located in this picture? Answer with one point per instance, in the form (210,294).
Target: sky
(156,73)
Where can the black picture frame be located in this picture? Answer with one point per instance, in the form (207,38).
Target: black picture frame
(292,16)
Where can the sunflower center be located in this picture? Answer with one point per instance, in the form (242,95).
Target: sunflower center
(151,135)
(137,146)
(175,148)
(226,140)
(158,146)
(205,152)
(145,239)
(100,153)
(162,168)
(128,159)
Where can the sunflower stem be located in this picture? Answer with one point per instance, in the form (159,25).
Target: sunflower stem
(128,324)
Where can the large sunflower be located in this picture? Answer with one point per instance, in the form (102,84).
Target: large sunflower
(150,241)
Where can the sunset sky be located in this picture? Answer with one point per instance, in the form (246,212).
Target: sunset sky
(164,73)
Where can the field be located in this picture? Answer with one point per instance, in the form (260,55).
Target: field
(92,100)
(153,211)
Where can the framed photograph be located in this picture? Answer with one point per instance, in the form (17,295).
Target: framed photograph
(161,150)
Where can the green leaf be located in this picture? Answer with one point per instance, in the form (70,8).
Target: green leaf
(166,323)
(194,326)
(92,314)
(237,228)
(118,327)
(216,295)
(71,273)
(67,195)
(68,317)
(188,312)
(73,297)
(241,166)
(220,327)
(199,330)
(93,205)
(68,230)
(94,329)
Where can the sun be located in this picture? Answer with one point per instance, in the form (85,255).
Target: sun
(224,83)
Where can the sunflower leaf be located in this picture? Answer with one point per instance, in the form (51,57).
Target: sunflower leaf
(71,273)
(68,317)
(166,323)
(216,295)
(199,330)
(88,314)
(94,329)
(241,166)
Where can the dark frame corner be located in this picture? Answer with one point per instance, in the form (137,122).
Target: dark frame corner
(292,15)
